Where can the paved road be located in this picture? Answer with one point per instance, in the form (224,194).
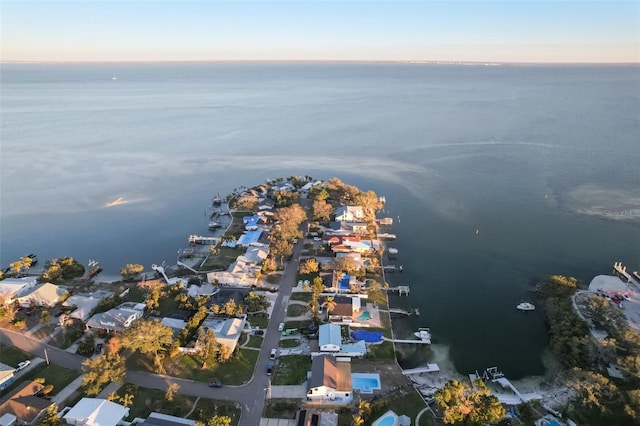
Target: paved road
(251,397)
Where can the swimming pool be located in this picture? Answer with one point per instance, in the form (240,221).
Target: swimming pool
(387,419)
(365,382)
(364,316)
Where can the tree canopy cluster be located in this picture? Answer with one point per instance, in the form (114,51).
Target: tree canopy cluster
(58,270)
(599,400)
(461,403)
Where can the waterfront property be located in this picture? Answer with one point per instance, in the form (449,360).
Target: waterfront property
(366,382)
(330,381)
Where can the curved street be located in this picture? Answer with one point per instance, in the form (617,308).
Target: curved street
(251,396)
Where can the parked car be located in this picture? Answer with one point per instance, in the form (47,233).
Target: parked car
(281,326)
(99,348)
(23,365)
(269,369)
(215,383)
(273,354)
(259,332)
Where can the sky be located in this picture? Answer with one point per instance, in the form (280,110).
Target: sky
(357,30)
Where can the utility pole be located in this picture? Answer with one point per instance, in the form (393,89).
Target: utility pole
(46,356)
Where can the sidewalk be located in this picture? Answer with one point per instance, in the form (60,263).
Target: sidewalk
(66,392)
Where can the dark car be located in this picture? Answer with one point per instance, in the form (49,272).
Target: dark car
(259,332)
(99,348)
(215,384)
(269,369)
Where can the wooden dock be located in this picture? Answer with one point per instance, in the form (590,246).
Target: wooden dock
(621,271)
(413,341)
(400,289)
(392,268)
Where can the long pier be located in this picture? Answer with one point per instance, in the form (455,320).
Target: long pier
(415,341)
(403,312)
(392,268)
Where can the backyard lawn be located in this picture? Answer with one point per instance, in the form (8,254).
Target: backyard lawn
(289,343)
(303,296)
(295,310)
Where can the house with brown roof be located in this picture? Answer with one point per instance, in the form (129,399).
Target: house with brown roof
(25,405)
(330,381)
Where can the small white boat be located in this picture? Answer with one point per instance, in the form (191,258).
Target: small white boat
(526,306)
(393,250)
(214,225)
(424,334)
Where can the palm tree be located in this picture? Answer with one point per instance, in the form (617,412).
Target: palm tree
(329,304)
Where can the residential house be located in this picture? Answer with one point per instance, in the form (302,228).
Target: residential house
(46,295)
(6,375)
(251,222)
(348,214)
(330,381)
(25,405)
(117,319)
(344,308)
(12,288)
(329,338)
(85,304)
(227,330)
(96,412)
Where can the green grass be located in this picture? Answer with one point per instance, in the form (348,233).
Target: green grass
(12,356)
(304,296)
(166,305)
(292,369)
(44,331)
(54,375)
(135,294)
(383,350)
(147,400)
(255,341)
(225,257)
(66,339)
(300,325)
(280,408)
(239,370)
(289,343)
(409,404)
(260,320)
(296,310)
(274,278)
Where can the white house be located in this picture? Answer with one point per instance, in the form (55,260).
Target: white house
(96,412)
(117,319)
(11,288)
(330,381)
(348,214)
(46,294)
(329,338)
(227,331)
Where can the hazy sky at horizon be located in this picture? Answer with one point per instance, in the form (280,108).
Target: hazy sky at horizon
(455,30)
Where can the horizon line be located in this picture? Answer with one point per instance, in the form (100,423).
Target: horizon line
(379,61)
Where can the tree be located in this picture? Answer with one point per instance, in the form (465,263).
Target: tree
(329,303)
(247,203)
(321,210)
(208,347)
(102,370)
(370,204)
(172,389)
(8,308)
(131,270)
(317,287)
(460,403)
(153,290)
(51,417)
(127,399)
(219,421)
(230,308)
(309,266)
(65,268)
(345,264)
(147,337)
(375,294)
(45,317)
(21,266)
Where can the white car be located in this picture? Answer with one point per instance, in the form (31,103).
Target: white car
(23,365)
(273,354)
(281,326)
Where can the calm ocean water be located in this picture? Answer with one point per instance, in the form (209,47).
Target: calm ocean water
(538,159)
